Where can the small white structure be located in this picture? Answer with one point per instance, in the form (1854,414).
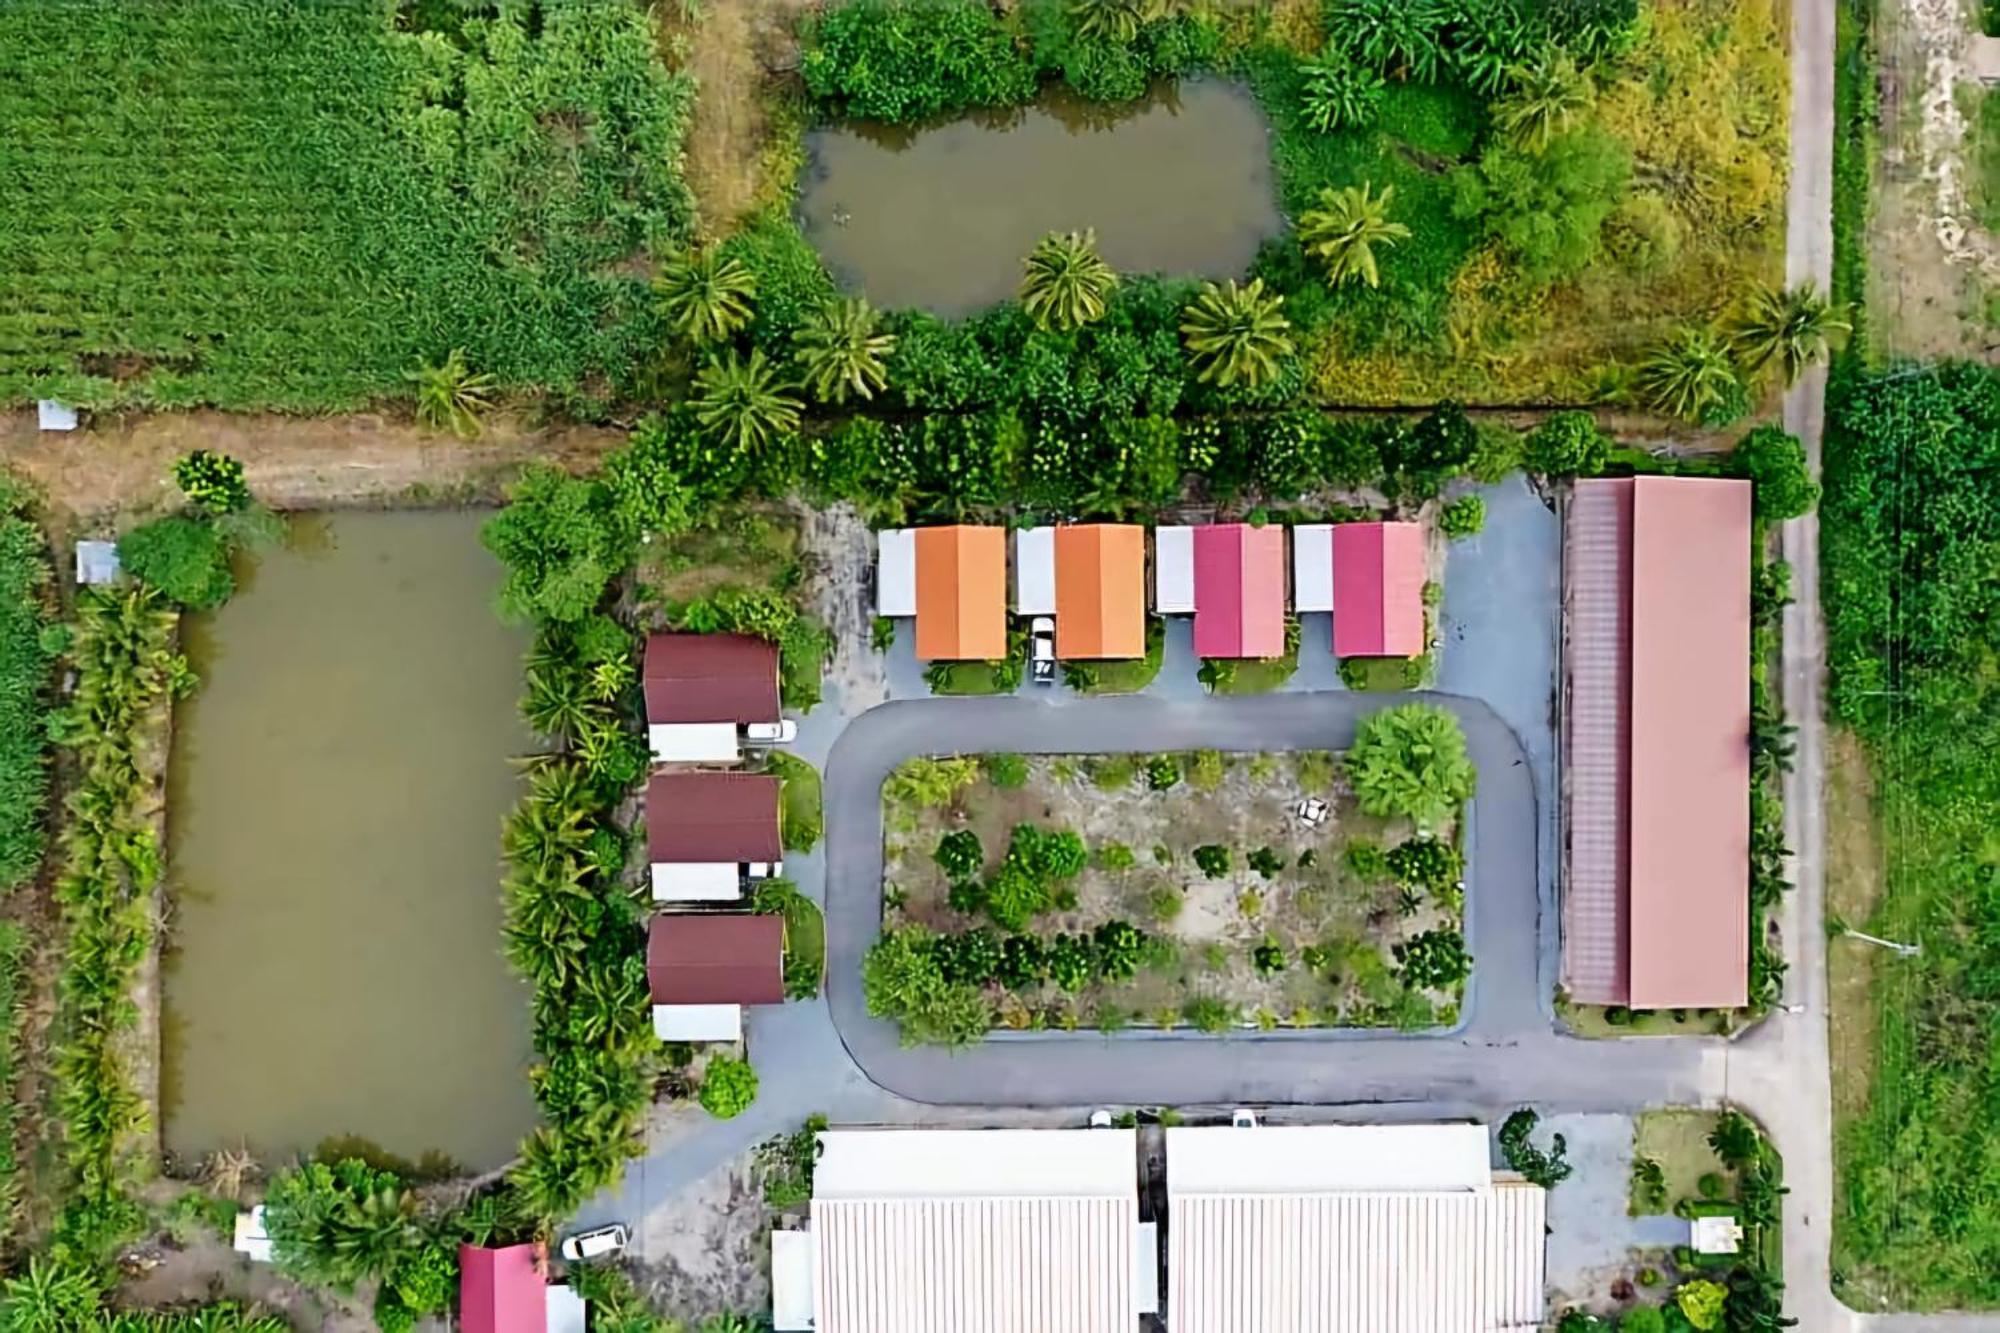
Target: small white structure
(792,1281)
(52,415)
(694,742)
(1716,1235)
(1349,1229)
(1312,567)
(96,562)
(251,1237)
(1173,571)
(976,1231)
(697,881)
(566,1311)
(896,572)
(698,1022)
(1035,571)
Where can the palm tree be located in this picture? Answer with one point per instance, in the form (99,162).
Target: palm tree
(838,351)
(51,1296)
(1688,373)
(1066,283)
(1237,335)
(450,397)
(743,403)
(1793,326)
(704,297)
(557,700)
(1734,1139)
(1547,98)
(1345,229)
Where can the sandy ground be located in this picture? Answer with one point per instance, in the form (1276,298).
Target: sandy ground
(205,1269)
(1932,266)
(731,51)
(121,464)
(717,1255)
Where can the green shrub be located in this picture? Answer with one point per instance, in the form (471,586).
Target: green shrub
(1433,960)
(1644,1318)
(877,60)
(1711,1185)
(930,783)
(971,958)
(1006,771)
(1212,859)
(1266,862)
(1113,772)
(1702,1301)
(26,657)
(1268,958)
(1774,461)
(1072,961)
(1164,904)
(1411,761)
(804,823)
(1366,861)
(728,1086)
(1162,772)
(1117,947)
(1426,863)
(1205,770)
(1546,208)
(1463,517)
(1545,1168)
(213,483)
(959,855)
(1567,444)
(1115,856)
(1207,1013)
(184,557)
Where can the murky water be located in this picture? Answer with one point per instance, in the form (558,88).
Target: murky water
(336,794)
(941,217)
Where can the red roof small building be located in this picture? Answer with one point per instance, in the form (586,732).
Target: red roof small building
(502,1289)
(1378,590)
(1239,591)
(716,958)
(710,678)
(700,818)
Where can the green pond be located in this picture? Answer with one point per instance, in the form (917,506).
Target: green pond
(941,216)
(337,787)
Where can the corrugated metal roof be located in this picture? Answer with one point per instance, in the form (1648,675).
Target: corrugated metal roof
(1290,1159)
(710,678)
(961,594)
(1598,574)
(1035,571)
(952,1163)
(1312,567)
(715,958)
(1468,1262)
(1100,591)
(1239,576)
(896,572)
(1378,589)
(712,817)
(1173,571)
(1690,811)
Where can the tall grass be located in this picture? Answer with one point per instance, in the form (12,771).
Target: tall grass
(270,203)
(15,952)
(24,682)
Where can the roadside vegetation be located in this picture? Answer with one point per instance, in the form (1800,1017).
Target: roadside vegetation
(27,651)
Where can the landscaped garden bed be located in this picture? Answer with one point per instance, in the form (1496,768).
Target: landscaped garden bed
(1168,890)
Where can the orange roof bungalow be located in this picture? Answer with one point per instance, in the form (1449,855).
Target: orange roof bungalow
(1656,905)
(1100,591)
(953,580)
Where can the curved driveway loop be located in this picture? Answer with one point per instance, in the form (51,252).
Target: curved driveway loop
(1507,1052)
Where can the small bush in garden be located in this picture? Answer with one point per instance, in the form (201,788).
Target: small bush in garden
(1162,773)
(1014,896)
(1568,444)
(1023,964)
(1315,769)
(1113,772)
(1167,1017)
(1463,517)
(1266,862)
(1158,954)
(1649,1189)
(1411,761)
(1710,1186)
(1117,945)
(212,482)
(1072,961)
(1547,1169)
(1205,770)
(881,634)
(728,1086)
(1268,958)
(1206,1013)
(967,896)
(1164,904)
(1702,1302)
(1315,959)
(1308,858)
(1162,854)
(1115,856)
(1212,859)
(959,855)
(1339,93)
(1618,1016)
(1065,898)
(1433,960)
(969,959)
(1426,863)
(1433,593)
(1649,1277)
(930,782)
(1409,901)
(1366,861)
(1250,903)
(1047,855)
(185,558)
(1006,771)
(1644,1318)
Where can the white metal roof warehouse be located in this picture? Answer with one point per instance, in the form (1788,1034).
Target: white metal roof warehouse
(1348,1229)
(977,1231)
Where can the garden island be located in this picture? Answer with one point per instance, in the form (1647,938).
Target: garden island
(873,666)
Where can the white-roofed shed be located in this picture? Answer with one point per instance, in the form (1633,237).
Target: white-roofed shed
(694,742)
(697,881)
(1312,567)
(896,572)
(1035,571)
(791,1281)
(1173,571)
(698,1022)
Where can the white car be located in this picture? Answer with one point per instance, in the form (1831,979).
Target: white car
(1042,650)
(1243,1118)
(763,869)
(603,1242)
(781,732)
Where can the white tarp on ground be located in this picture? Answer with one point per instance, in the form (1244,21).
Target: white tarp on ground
(96,562)
(565,1310)
(698,1022)
(52,415)
(1173,571)
(693,742)
(1312,567)
(251,1237)
(791,1281)
(1035,572)
(896,572)
(976,1231)
(697,881)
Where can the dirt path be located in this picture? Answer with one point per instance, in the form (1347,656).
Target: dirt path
(121,464)
(731,50)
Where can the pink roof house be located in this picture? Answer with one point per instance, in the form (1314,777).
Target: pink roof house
(1239,591)
(501,1290)
(1378,590)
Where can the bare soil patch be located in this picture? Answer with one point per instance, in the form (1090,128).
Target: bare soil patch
(1853,886)
(731,48)
(1334,929)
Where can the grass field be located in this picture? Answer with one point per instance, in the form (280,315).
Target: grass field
(265,203)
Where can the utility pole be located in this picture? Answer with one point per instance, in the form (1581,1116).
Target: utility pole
(1900,950)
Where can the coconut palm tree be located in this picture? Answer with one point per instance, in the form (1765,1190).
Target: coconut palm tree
(1547,98)
(743,402)
(557,701)
(450,396)
(1688,373)
(1065,283)
(1345,229)
(1791,327)
(838,351)
(1237,336)
(705,297)
(1119,21)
